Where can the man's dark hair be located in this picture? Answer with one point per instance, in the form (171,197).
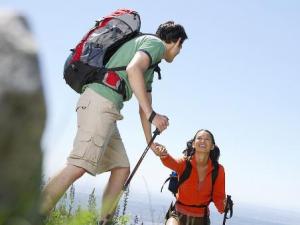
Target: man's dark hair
(170,32)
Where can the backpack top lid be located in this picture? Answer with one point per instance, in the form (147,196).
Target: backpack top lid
(108,33)
(124,15)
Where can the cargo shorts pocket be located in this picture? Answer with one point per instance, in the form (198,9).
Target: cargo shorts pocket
(95,149)
(82,103)
(87,146)
(84,114)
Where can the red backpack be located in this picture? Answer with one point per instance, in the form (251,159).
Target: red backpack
(86,63)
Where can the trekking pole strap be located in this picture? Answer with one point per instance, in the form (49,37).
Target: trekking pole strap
(152,115)
(228,208)
(164,183)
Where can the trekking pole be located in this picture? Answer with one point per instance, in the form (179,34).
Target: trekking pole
(114,205)
(155,133)
(228,207)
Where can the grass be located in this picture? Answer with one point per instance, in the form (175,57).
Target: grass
(65,213)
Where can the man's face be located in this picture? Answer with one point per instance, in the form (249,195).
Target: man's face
(173,50)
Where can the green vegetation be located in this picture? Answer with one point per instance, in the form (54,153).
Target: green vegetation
(65,212)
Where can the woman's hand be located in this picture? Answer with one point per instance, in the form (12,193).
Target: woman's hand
(160,150)
(225,202)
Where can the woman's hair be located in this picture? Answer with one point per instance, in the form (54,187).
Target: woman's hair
(170,32)
(213,155)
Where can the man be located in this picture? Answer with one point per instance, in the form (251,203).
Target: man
(98,146)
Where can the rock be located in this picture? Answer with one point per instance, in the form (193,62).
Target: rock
(22,120)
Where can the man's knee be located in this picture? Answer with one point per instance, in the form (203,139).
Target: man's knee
(74,171)
(121,171)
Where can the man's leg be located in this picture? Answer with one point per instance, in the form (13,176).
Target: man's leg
(112,191)
(58,185)
(172,221)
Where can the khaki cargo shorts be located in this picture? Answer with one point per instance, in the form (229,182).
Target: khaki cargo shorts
(98,146)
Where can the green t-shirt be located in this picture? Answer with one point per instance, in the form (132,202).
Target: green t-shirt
(150,44)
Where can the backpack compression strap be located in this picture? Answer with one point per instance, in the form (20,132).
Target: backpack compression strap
(162,187)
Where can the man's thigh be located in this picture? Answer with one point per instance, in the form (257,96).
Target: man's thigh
(114,155)
(96,122)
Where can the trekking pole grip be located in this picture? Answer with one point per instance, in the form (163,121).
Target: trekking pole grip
(156,132)
(228,207)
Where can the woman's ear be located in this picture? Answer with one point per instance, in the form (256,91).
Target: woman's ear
(212,147)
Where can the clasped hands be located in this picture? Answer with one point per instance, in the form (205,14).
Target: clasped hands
(159,150)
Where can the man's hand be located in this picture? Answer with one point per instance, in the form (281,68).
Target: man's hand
(161,122)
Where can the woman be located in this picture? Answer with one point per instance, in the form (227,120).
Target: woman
(195,194)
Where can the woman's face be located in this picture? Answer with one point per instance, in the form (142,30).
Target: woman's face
(203,142)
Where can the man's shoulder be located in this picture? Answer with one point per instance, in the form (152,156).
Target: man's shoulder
(149,38)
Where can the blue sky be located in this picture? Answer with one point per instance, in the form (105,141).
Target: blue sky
(238,75)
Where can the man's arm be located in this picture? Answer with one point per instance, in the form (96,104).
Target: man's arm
(135,70)
(144,120)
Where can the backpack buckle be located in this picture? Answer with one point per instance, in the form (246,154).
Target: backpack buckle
(112,80)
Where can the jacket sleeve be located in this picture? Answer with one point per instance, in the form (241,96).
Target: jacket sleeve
(219,190)
(174,164)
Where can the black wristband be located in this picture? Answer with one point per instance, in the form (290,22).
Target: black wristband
(151,117)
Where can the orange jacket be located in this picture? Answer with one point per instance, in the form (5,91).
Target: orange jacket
(193,192)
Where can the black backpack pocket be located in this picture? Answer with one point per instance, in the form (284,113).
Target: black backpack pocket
(173,183)
(77,74)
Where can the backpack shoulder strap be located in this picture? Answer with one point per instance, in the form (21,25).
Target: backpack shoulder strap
(214,175)
(186,173)
(215,172)
(156,69)
(154,65)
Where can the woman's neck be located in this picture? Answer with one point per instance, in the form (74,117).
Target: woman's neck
(201,159)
